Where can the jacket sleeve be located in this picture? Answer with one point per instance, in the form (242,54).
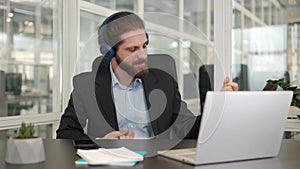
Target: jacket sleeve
(70,127)
(186,124)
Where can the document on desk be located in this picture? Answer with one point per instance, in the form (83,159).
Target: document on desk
(111,156)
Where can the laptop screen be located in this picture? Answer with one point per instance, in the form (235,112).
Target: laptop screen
(242,125)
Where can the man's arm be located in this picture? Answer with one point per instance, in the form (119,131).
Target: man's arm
(70,127)
(229,86)
(186,124)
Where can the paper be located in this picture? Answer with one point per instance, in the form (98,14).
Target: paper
(117,156)
(82,161)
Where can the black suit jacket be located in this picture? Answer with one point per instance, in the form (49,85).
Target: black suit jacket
(91,110)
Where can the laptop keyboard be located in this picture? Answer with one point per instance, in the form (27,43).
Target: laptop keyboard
(187,153)
(189,156)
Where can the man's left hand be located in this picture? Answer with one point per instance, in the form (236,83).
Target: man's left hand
(229,86)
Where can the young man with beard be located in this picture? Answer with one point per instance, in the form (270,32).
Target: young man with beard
(122,97)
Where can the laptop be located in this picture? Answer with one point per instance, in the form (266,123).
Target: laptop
(238,126)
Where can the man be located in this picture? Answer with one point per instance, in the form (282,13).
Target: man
(122,97)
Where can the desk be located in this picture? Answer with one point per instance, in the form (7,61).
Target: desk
(292,128)
(60,154)
(292,125)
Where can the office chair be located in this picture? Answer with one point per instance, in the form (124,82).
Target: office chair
(241,77)
(206,80)
(163,62)
(13,83)
(13,86)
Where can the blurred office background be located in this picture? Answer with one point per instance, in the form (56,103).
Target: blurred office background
(42,43)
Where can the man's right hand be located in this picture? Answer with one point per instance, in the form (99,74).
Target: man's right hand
(115,135)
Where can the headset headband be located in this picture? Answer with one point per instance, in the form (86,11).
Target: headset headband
(107,50)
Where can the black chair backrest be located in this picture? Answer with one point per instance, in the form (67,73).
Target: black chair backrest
(206,80)
(13,83)
(163,62)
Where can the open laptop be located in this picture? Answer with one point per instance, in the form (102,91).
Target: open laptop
(238,126)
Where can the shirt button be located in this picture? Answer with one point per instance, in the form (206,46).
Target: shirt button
(131,126)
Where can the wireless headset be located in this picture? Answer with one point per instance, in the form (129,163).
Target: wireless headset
(107,50)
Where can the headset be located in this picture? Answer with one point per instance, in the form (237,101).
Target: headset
(107,50)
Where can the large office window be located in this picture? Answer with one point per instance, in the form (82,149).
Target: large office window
(261,43)
(89,48)
(28,61)
(115,4)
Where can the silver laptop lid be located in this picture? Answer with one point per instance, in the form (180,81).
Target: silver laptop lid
(242,125)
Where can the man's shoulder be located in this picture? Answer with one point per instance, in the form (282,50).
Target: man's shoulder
(161,74)
(83,80)
(95,67)
(99,66)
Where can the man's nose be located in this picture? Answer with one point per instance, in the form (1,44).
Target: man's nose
(142,53)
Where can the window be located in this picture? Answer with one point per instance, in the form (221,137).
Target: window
(28,59)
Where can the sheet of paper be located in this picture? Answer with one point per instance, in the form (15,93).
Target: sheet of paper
(114,156)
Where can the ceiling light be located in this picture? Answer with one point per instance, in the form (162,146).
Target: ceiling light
(30,23)
(10,14)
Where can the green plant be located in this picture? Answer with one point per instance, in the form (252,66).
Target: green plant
(26,131)
(287,86)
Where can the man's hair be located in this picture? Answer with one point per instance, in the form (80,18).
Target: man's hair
(117,24)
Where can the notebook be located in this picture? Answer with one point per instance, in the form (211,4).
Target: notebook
(110,156)
(238,126)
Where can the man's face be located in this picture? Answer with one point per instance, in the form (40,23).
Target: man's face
(131,54)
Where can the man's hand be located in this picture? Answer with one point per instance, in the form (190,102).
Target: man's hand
(229,86)
(115,135)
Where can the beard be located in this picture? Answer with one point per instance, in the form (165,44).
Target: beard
(137,72)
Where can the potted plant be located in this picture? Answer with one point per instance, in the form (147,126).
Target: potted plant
(295,104)
(25,148)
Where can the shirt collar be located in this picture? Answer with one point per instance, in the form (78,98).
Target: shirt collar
(115,81)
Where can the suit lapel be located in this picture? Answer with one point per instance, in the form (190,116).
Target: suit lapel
(104,94)
(149,83)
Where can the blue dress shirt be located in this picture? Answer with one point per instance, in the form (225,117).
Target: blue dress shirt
(131,107)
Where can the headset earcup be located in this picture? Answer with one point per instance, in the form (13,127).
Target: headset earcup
(107,51)
(110,53)
(147,36)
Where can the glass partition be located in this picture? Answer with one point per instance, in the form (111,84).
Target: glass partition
(259,44)
(29,49)
(166,6)
(89,48)
(115,4)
